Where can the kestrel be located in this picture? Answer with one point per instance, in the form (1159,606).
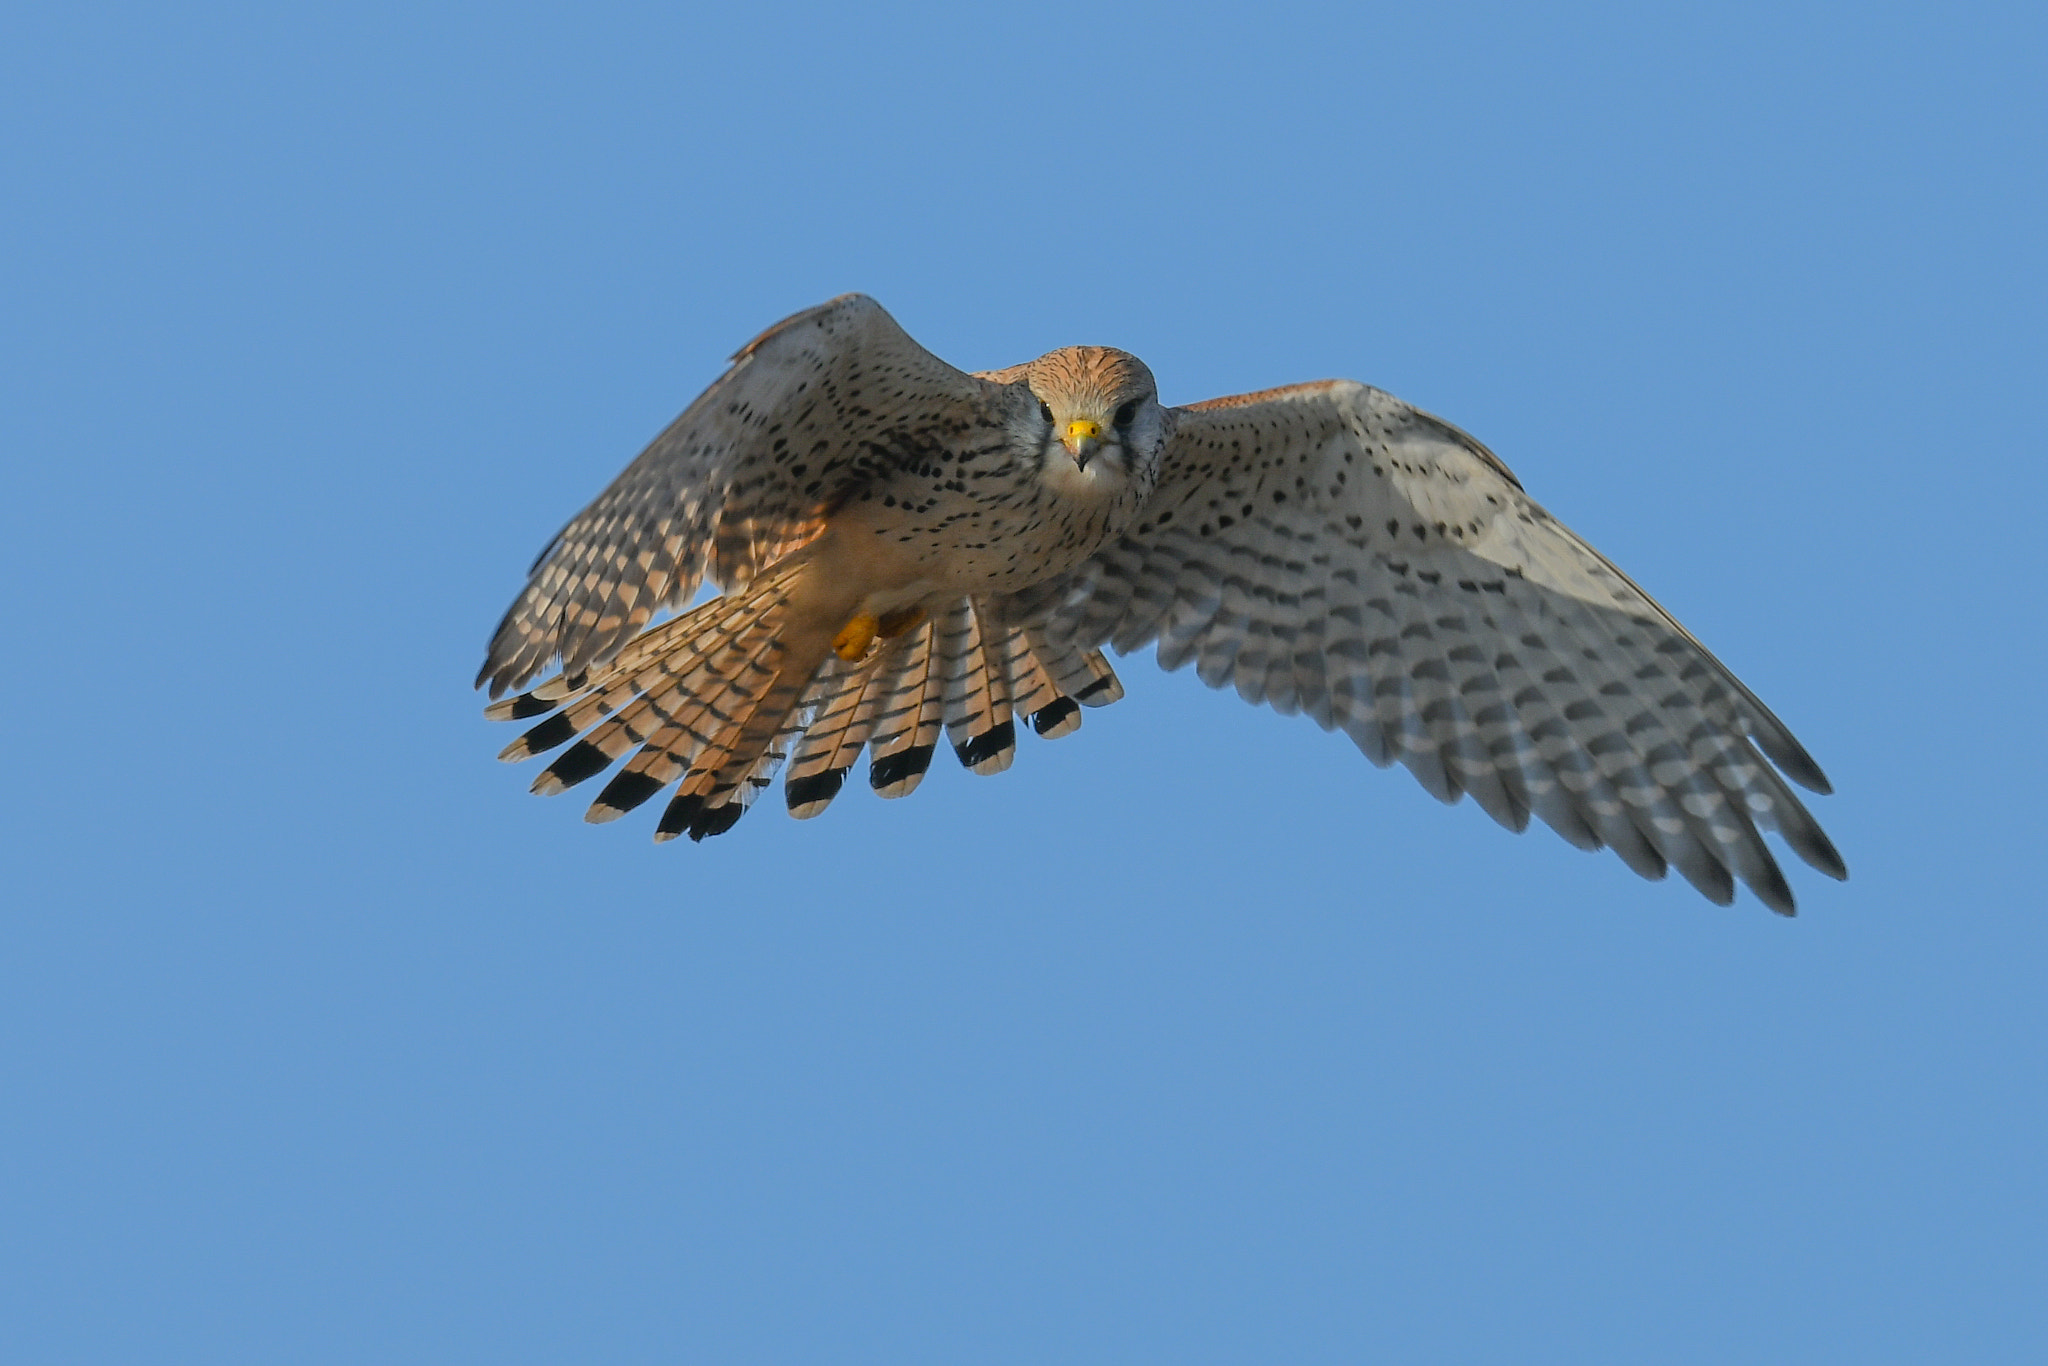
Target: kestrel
(905,549)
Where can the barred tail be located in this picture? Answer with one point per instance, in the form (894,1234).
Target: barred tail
(701,702)
(711,703)
(964,673)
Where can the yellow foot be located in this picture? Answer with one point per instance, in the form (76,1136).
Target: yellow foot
(894,624)
(854,638)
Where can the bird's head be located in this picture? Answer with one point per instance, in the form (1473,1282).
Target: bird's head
(1100,427)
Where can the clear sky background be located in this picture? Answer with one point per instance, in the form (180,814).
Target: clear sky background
(1192,1038)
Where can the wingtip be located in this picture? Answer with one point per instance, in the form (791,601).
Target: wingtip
(1770,887)
(1782,749)
(1804,771)
(1816,850)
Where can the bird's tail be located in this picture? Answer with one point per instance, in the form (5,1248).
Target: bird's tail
(713,701)
(699,701)
(963,673)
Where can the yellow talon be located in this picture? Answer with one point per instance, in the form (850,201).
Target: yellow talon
(854,638)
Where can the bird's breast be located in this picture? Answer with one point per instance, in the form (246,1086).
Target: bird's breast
(972,527)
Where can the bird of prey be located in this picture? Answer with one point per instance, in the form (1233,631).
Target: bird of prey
(905,549)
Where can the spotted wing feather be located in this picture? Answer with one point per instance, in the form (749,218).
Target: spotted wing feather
(1330,550)
(810,410)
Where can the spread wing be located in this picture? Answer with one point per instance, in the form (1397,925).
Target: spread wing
(1331,550)
(810,410)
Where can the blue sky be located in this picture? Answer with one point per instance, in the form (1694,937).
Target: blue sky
(1191,1038)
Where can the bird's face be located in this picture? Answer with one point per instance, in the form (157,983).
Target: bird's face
(1099,423)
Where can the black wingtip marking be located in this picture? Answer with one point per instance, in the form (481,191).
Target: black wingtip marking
(576,764)
(1772,889)
(1098,687)
(988,744)
(554,731)
(629,790)
(890,769)
(1790,756)
(526,704)
(818,787)
(1820,852)
(1054,714)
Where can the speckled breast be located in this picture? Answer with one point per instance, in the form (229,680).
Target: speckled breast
(986,522)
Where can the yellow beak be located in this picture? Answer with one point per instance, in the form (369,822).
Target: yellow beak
(1081,439)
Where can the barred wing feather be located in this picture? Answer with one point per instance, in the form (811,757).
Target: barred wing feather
(1330,550)
(810,409)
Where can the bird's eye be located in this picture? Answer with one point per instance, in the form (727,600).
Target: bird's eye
(1045,411)
(1126,414)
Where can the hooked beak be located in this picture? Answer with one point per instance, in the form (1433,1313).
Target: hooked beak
(1082,439)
